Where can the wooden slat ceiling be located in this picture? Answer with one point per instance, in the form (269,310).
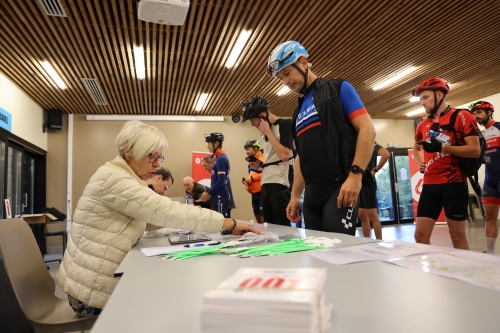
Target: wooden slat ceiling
(362,41)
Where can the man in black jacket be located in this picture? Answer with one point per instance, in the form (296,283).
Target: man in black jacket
(196,190)
(277,166)
(334,137)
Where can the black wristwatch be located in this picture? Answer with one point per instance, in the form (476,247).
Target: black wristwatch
(356,169)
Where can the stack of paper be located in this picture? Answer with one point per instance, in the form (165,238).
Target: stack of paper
(268,300)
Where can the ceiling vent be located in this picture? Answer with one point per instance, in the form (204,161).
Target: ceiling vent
(94,90)
(53,8)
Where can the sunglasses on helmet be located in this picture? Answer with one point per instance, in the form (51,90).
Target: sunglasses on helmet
(274,65)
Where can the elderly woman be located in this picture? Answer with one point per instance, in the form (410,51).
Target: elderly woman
(112,214)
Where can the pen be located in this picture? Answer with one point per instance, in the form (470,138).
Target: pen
(200,245)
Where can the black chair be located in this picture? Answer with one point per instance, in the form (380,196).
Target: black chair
(63,234)
(61,217)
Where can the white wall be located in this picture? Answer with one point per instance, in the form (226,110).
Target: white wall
(399,131)
(27,116)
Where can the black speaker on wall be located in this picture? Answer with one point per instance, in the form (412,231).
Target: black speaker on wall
(54,120)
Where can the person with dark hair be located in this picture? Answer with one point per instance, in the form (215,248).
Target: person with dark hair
(333,136)
(368,204)
(483,112)
(218,195)
(277,173)
(162,181)
(437,146)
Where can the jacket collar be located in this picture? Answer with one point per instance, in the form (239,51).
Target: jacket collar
(121,163)
(219,152)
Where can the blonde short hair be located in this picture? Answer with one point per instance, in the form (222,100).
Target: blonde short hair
(139,139)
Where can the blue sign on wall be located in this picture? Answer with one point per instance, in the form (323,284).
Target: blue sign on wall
(5,120)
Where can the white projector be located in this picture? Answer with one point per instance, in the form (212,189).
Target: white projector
(172,12)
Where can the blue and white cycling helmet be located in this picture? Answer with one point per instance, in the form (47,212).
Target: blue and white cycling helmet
(284,55)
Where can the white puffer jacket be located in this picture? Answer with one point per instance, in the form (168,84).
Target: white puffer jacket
(109,219)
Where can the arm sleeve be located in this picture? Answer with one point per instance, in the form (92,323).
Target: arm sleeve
(350,101)
(125,195)
(222,172)
(418,132)
(286,133)
(466,124)
(198,190)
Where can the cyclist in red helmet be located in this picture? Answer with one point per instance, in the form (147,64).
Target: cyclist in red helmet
(483,112)
(437,144)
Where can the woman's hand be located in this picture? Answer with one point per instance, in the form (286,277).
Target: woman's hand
(240,228)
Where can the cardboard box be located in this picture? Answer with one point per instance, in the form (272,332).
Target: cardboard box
(38,218)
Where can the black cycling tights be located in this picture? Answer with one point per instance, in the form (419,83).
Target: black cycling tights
(321,212)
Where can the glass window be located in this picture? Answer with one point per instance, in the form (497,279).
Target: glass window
(14,194)
(2,167)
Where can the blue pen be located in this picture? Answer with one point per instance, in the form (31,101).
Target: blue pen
(200,245)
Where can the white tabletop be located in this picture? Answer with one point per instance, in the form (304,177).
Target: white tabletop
(135,255)
(157,295)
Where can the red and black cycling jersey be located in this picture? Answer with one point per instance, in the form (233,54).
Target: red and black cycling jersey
(491,134)
(443,168)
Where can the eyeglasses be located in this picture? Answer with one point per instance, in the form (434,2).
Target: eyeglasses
(154,158)
(273,66)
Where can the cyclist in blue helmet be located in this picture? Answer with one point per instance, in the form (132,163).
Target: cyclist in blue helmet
(334,137)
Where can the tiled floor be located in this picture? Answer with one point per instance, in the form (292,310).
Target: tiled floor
(440,237)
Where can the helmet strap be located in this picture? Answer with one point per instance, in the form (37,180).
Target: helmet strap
(215,149)
(305,74)
(436,104)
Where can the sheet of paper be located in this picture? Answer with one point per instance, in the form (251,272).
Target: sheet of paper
(477,268)
(371,252)
(154,251)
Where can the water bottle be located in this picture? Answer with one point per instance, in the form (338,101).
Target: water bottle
(189,200)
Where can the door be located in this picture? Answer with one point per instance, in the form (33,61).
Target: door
(28,183)
(2,175)
(394,195)
(22,175)
(402,186)
(14,175)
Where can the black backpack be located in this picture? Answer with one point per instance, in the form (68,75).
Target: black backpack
(469,166)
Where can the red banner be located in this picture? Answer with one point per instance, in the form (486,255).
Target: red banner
(199,174)
(417,181)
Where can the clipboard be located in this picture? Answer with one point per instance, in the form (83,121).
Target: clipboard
(176,239)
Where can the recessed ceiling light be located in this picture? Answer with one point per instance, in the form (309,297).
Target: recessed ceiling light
(53,74)
(283,90)
(394,78)
(140,70)
(201,102)
(238,47)
(414,112)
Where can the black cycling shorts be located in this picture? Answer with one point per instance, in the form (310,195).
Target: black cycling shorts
(321,212)
(454,197)
(368,196)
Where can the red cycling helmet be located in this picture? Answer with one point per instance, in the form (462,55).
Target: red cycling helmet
(481,105)
(434,83)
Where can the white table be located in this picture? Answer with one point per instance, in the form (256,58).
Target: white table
(157,295)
